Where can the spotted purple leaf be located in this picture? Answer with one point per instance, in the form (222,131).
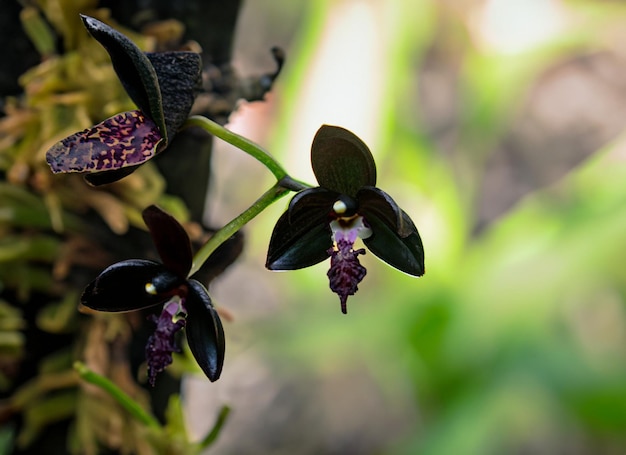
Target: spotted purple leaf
(124,140)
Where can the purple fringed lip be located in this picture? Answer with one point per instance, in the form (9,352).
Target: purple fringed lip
(162,343)
(345,272)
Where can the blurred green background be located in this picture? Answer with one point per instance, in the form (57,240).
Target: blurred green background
(498,126)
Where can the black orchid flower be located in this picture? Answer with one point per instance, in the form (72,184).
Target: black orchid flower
(163,85)
(326,220)
(137,283)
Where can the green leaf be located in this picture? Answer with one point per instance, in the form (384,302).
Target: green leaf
(7,436)
(38,30)
(36,248)
(43,413)
(175,417)
(59,317)
(115,392)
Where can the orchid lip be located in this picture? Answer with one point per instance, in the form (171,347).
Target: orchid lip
(350,228)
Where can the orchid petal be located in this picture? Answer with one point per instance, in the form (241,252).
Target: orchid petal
(302,234)
(180,77)
(341,161)
(122,286)
(313,205)
(122,141)
(171,240)
(205,333)
(133,68)
(375,202)
(405,254)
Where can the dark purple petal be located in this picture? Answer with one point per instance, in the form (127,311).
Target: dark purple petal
(124,140)
(133,68)
(162,343)
(312,206)
(301,235)
(205,333)
(403,253)
(170,239)
(374,202)
(345,272)
(298,245)
(179,75)
(222,258)
(122,286)
(341,161)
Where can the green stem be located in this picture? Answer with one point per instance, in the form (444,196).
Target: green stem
(252,149)
(118,394)
(284,184)
(217,428)
(226,232)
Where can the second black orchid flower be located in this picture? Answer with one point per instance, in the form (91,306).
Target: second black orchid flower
(163,85)
(138,283)
(326,220)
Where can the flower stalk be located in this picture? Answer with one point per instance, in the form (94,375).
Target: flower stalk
(217,428)
(246,145)
(227,231)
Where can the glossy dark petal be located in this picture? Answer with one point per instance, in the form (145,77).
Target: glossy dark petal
(205,333)
(312,206)
(179,75)
(292,247)
(405,254)
(341,161)
(124,140)
(222,258)
(374,202)
(302,234)
(170,239)
(122,286)
(133,69)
